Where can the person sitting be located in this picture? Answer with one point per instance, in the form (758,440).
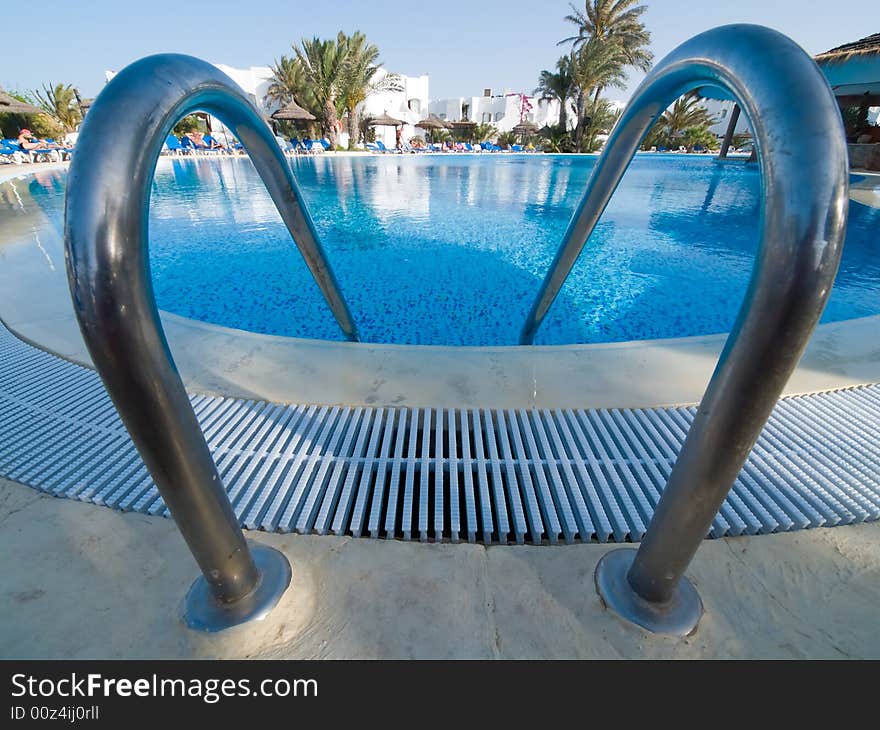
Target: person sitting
(27,141)
(197,140)
(212,144)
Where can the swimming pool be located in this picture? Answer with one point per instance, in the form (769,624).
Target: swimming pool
(452,250)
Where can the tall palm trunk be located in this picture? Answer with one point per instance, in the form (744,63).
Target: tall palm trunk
(581,119)
(563,114)
(328,123)
(352,127)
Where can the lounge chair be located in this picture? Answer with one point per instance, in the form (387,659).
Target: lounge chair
(11,153)
(312,146)
(172,144)
(211,142)
(188,146)
(45,154)
(382,148)
(372,146)
(62,150)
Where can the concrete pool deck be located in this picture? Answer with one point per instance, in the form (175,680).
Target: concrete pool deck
(82,582)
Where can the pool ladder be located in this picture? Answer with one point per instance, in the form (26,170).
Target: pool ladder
(803,164)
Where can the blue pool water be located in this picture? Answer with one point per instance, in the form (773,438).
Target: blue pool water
(452,250)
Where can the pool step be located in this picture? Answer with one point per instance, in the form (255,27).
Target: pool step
(489,476)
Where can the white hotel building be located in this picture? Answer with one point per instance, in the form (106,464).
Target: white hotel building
(411,104)
(504,111)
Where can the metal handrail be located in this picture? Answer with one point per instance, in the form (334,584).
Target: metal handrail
(106,242)
(803,160)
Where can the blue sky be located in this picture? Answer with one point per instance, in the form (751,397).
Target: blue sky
(464,46)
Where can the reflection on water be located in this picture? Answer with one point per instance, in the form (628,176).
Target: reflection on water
(452,250)
(16,216)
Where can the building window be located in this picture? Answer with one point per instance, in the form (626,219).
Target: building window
(723,113)
(499,116)
(487,117)
(465,111)
(415,105)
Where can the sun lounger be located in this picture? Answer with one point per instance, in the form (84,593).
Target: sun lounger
(213,144)
(11,153)
(173,146)
(188,146)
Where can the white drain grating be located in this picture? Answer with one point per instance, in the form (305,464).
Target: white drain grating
(435,474)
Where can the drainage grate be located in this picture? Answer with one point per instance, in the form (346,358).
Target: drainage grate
(441,474)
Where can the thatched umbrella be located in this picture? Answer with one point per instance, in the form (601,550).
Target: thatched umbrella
(525,128)
(11,105)
(383,120)
(293,112)
(462,125)
(432,123)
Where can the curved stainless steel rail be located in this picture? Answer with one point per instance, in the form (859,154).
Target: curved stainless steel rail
(804,218)
(105,234)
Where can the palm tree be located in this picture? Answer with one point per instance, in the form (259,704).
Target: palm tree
(613,20)
(558,86)
(556,139)
(60,103)
(685,113)
(601,120)
(698,136)
(484,132)
(324,65)
(507,138)
(618,19)
(356,84)
(595,64)
(289,83)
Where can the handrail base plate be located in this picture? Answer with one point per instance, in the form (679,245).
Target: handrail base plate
(202,612)
(678,617)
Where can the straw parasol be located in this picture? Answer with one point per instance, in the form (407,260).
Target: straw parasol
(462,125)
(383,120)
(432,122)
(11,105)
(293,112)
(524,128)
